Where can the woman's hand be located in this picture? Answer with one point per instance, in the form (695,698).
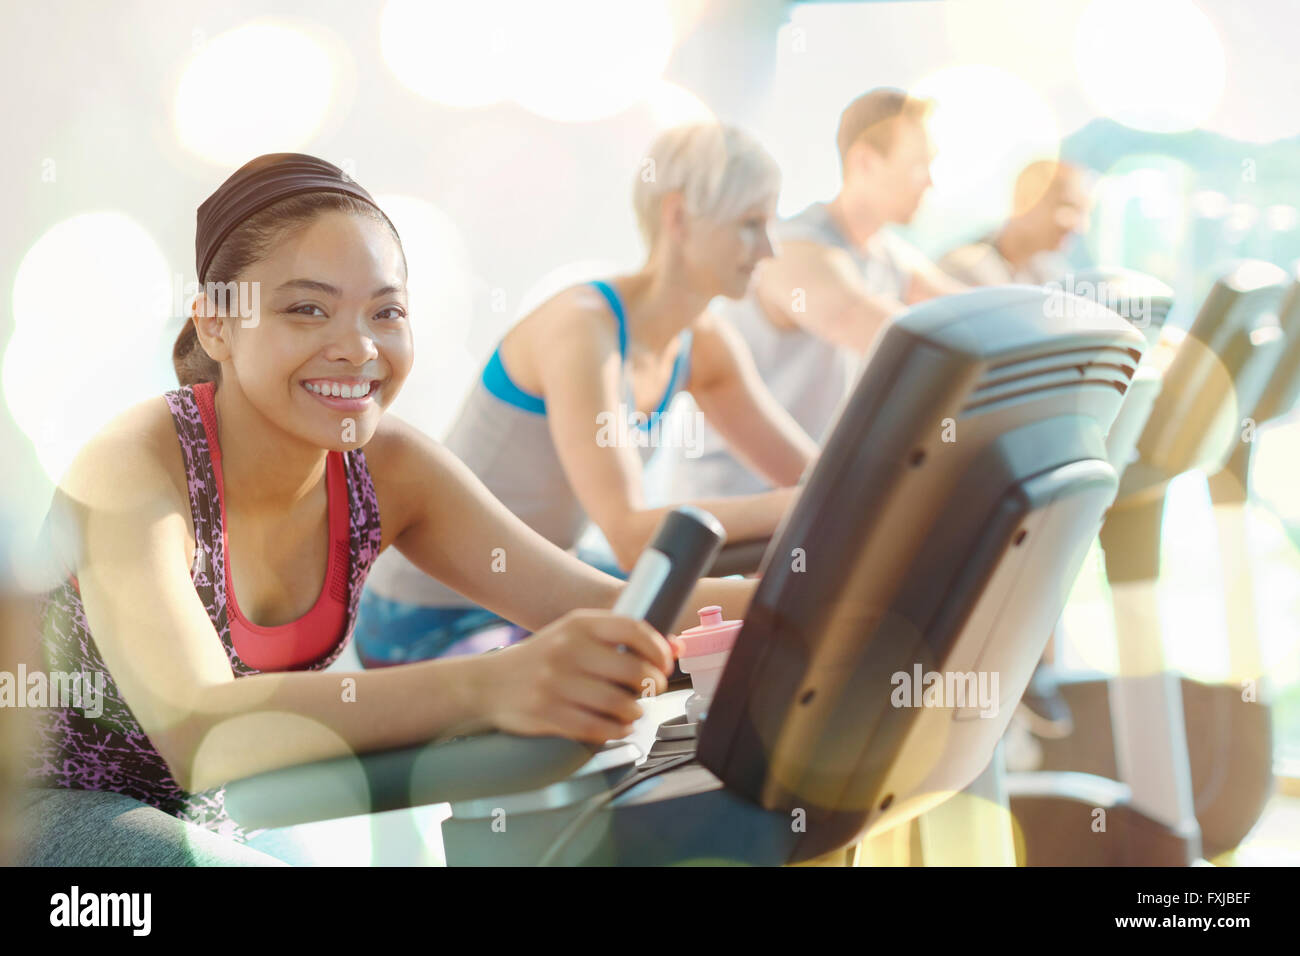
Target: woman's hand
(571,678)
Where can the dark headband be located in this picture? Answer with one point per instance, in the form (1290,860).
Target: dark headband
(258,184)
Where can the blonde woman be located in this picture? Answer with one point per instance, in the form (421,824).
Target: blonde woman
(564,416)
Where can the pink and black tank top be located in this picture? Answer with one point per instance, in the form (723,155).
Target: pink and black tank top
(112,752)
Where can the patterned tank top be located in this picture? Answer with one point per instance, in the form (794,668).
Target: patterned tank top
(73,750)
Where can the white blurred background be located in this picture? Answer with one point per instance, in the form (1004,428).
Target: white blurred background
(503,136)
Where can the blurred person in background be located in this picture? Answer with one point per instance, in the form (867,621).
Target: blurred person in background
(1049,208)
(839,275)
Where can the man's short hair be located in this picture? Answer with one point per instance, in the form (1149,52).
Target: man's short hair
(874,117)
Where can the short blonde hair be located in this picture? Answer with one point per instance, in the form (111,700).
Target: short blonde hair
(720,171)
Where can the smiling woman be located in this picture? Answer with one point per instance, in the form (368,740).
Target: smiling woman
(238,224)
(216,541)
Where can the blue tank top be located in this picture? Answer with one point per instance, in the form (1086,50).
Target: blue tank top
(497,381)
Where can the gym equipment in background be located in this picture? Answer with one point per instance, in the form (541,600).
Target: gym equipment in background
(939,533)
(739,557)
(974,829)
(1136,296)
(1180,767)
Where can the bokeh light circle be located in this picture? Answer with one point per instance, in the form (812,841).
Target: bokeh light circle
(453,53)
(441,288)
(261,88)
(91,299)
(589,59)
(1155,65)
(570,60)
(987,125)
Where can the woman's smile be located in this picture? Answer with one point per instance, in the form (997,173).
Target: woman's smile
(344,393)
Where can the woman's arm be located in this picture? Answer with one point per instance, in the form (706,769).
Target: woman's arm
(443,518)
(730,393)
(450,526)
(834,301)
(733,595)
(168,661)
(132,555)
(581,381)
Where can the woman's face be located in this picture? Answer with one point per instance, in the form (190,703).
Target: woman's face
(331,344)
(721,256)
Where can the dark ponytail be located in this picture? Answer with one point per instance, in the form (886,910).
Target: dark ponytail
(192,364)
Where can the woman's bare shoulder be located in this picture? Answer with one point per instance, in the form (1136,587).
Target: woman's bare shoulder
(578,311)
(133,465)
(573,325)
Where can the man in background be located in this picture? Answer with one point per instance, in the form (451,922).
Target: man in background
(839,275)
(1049,207)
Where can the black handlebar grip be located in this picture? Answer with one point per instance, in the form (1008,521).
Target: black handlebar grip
(683,548)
